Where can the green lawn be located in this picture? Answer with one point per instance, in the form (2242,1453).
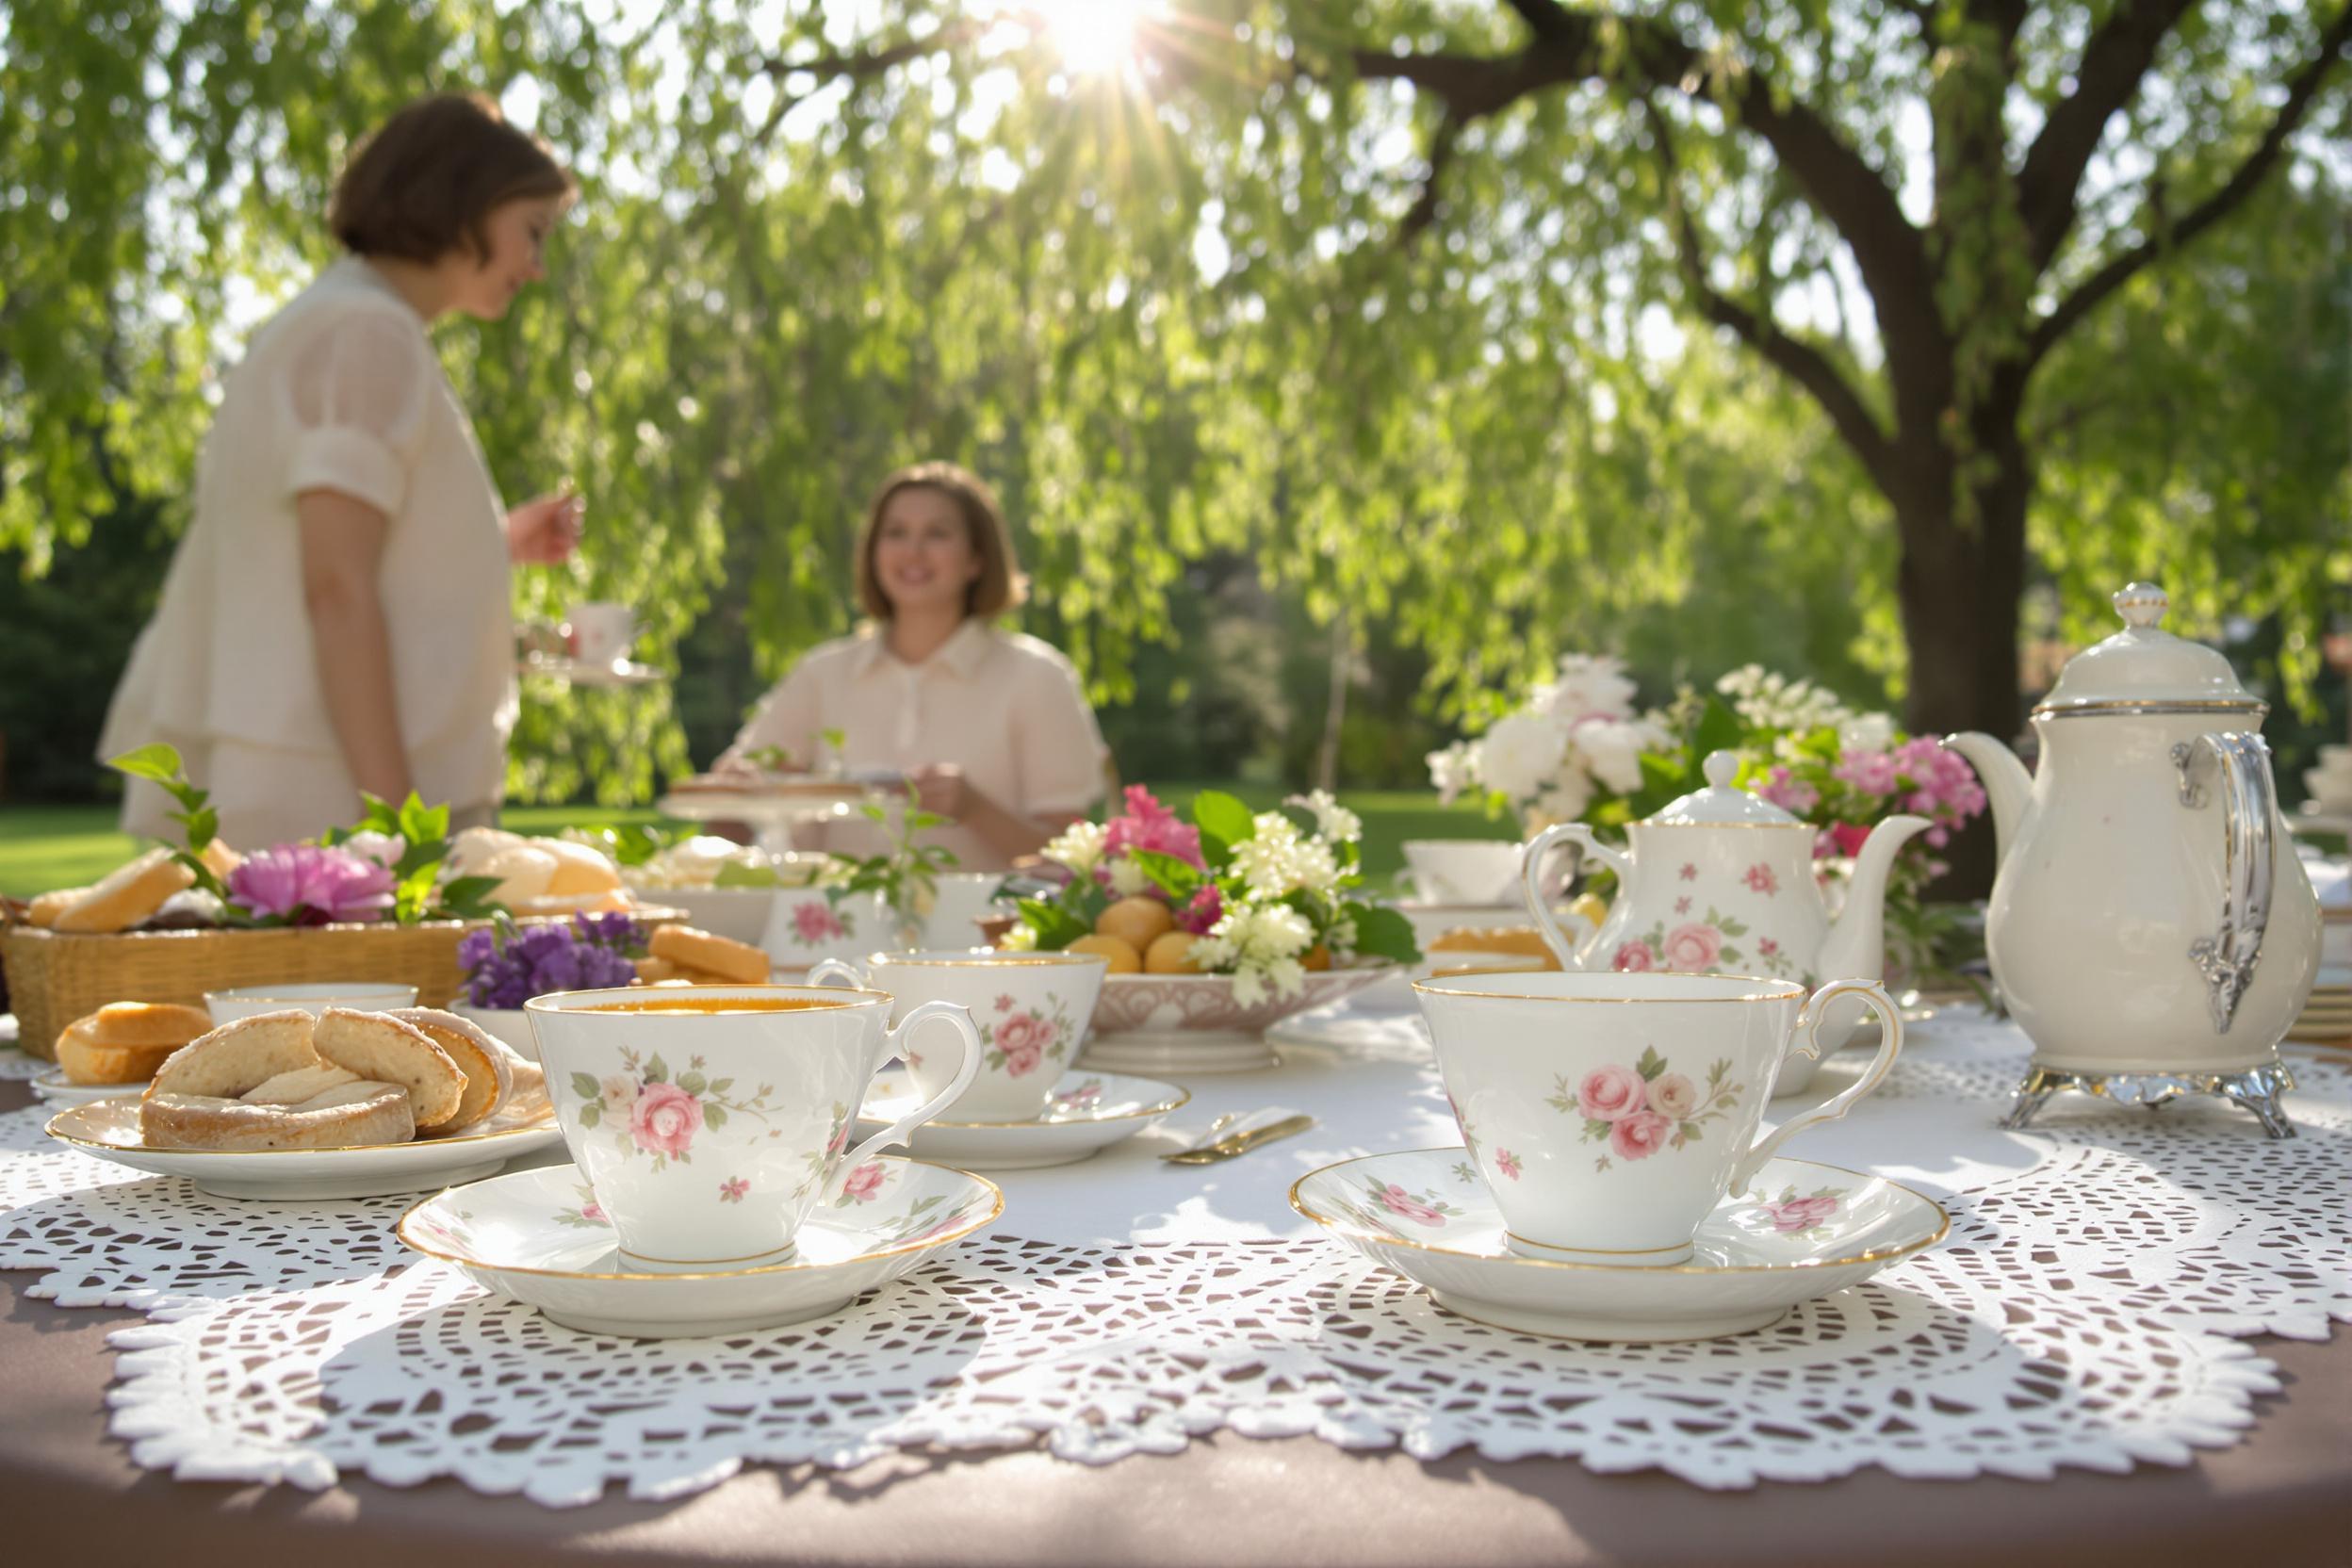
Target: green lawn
(65,846)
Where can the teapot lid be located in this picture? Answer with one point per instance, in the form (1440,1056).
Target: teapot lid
(1720,802)
(2144,665)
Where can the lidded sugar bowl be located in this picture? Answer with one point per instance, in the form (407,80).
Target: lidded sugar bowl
(2150,927)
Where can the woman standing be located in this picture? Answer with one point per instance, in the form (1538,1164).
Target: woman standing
(337,619)
(992,728)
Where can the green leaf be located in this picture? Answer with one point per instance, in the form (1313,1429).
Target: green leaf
(723,1085)
(714,1115)
(736,874)
(1651,1064)
(585,1086)
(1718,730)
(1383,933)
(468,897)
(1215,811)
(160,762)
(657,1070)
(592,1113)
(1177,879)
(1215,851)
(1595,1128)
(1055,927)
(692,1083)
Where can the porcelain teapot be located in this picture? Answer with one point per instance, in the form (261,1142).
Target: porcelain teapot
(2145,930)
(1720,882)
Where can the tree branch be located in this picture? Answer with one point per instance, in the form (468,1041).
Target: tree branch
(1547,19)
(2164,236)
(2114,61)
(853,67)
(1800,361)
(1424,210)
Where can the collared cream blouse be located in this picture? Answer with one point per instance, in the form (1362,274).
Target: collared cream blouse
(341,391)
(1005,708)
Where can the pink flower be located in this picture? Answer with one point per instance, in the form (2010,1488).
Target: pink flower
(1801,1214)
(1674,1096)
(1693,946)
(594,1211)
(1207,909)
(1640,1135)
(305,885)
(1849,837)
(664,1119)
(1023,1039)
(816,922)
(733,1189)
(1149,825)
(1761,879)
(1682,904)
(1507,1163)
(937,1228)
(1871,772)
(1635,956)
(1400,1201)
(1767,946)
(1690,872)
(865,1182)
(840,1139)
(1004,1003)
(1790,793)
(1608,1093)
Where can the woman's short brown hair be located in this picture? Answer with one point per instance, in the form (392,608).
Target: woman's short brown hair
(1000,586)
(424,184)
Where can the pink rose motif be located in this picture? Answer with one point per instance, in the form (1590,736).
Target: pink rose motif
(1682,904)
(1673,1096)
(1690,872)
(1767,946)
(1640,1135)
(1611,1093)
(1400,1201)
(816,922)
(1693,946)
(1507,1163)
(1635,956)
(938,1228)
(865,1182)
(594,1211)
(1023,1039)
(664,1119)
(733,1189)
(1004,1003)
(840,1140)
(1801,1214)
(1760,877)
(618,1093)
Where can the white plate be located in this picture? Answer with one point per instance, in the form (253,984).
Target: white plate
(1087,1113)
(108,1129)
(1807,1230)
(536,1237)
(52,1086)
(1191,1023)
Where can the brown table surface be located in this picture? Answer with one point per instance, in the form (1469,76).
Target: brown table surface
(69,1494)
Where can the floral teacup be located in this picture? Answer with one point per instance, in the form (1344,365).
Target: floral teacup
(709,1121)
(1610,1113)
(1032,1011)
(807,924)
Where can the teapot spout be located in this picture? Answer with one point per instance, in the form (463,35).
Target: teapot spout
(1855,948)
(2007,785)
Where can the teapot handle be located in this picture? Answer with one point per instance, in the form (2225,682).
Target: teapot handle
(2226,958)
(1530,873)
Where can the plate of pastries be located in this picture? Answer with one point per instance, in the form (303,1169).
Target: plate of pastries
(287,1106)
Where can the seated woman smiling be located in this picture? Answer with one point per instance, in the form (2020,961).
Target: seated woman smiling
(990,727)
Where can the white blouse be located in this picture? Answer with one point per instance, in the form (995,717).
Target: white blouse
(341,391)
(1005,708)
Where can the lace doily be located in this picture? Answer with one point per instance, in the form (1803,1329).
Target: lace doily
(2084,1311)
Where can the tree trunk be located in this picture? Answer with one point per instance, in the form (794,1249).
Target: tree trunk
(1959,586)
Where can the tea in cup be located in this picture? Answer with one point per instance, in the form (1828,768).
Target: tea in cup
(598,633)
(1609,1113)
(1031,1008)
(711,1119)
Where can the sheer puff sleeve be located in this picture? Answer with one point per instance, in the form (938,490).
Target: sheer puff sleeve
(358,389)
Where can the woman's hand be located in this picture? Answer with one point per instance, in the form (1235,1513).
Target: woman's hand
(543,532)
(941,789)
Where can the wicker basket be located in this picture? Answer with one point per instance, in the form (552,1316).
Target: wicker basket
(54,978)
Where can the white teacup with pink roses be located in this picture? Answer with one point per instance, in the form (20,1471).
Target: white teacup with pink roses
(1609,1113)
(1031,1008)
(711,1119)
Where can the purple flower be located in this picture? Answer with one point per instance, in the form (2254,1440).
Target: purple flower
(506,967)
(306,885)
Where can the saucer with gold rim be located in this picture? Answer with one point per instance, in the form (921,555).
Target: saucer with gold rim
(537,1239)
(1804,1230)
(1086,1113)
(56,1088)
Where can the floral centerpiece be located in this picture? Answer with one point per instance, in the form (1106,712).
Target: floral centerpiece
(506,965)
(1262,897)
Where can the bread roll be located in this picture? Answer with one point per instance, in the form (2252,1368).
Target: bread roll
(124,1042)
(381,1047)
(737,963)
(489,1067)
(127,895)
(45,908)
(239,1056)
(579,869)
(351,1115)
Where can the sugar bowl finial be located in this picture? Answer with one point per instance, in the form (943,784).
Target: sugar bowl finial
(2141,604)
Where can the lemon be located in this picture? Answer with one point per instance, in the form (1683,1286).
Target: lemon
(1170,952)
(1138,922)
(1120,952)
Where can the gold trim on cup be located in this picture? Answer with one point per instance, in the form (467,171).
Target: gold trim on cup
(1793,993)
(982,958)
(1331,1224)
(399,1229)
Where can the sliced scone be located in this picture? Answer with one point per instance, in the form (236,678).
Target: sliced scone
(489,1070)
(381,1047)
(239,1056)
(347,1116)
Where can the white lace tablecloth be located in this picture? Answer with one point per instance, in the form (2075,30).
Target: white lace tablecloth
(2087,1310)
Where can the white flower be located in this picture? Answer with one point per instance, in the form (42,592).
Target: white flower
(1265,860)
(1128,878)
(1259,945)
(1020,939)
(1589,686)
(1765,700)
(1079,846)
(1453,770)
(384,849)
(1313,867)
(1333,820)
(1522,754)
(1563,798)
(1612,749)
(1867,732)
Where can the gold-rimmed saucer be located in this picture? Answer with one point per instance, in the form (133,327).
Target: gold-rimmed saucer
(1086,1113)
(1806,1229)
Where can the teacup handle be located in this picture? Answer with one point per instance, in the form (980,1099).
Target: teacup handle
(1530,873)
(1875,997)
(826,971)
(966,1070)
